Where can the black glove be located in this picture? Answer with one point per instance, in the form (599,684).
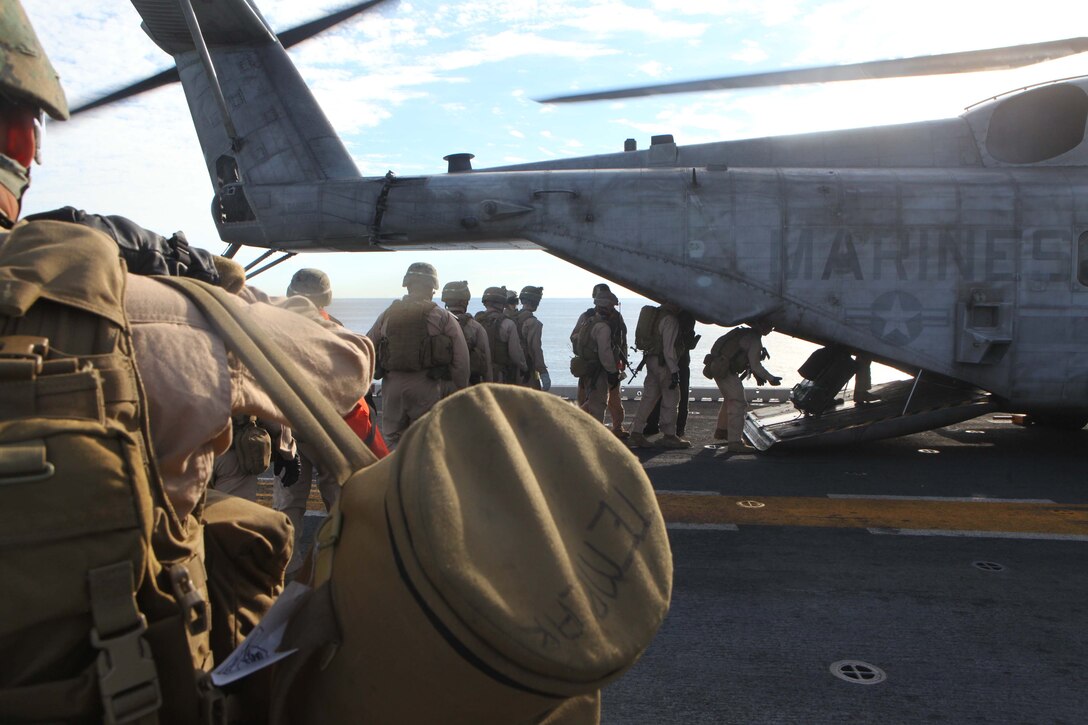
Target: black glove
(776,381)
(287,469)
(759,380)
(613,379)
(674,381)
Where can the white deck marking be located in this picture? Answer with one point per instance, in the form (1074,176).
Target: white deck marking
(687,493)
(980,534)
(967,499)
(701,527)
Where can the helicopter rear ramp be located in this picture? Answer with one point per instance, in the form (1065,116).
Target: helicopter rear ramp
(900,408)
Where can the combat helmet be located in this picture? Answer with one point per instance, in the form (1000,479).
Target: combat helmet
(28,85)
(312,284)
(495,295)
(605,298)
(421,271)
(456,293)
(531,295)
(26,75)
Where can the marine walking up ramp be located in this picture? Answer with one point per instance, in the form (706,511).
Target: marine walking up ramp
(900,408)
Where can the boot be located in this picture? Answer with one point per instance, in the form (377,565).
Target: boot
(670,440)
(741,446)
(637,440)
(721,434)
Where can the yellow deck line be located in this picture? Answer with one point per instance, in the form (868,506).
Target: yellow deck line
(1049,518)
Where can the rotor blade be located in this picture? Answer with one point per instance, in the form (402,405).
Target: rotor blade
(288,38)
(168,76)
(294,36)
(965,62)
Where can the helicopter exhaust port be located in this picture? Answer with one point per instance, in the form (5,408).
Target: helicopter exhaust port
(459,163)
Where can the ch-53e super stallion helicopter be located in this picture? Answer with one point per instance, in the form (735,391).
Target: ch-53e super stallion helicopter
(956,249)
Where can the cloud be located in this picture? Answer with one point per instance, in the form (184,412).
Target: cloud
(654,69)
(606,18)
(750,52)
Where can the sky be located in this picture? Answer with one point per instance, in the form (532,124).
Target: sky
(413,81)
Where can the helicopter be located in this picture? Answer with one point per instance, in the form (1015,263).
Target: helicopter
(953,248)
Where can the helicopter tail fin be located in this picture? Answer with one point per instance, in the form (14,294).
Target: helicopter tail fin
(257,121)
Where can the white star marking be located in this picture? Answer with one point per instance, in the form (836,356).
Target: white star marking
(896,319)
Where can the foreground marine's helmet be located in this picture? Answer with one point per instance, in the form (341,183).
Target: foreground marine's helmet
(456,293)
(312,284)
(28,86)
(421,271)
(27,77)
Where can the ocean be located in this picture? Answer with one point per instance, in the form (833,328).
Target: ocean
(559,315)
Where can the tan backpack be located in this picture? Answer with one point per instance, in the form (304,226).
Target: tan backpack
(726,357)
(407,345)
(477,356)
(253,445)
(492,323)
(105,610)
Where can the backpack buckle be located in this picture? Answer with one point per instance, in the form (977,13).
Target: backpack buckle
(21,356)
(127,677)
(193,606)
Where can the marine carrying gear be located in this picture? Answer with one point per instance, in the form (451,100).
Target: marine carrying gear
(105,608)
(407,345)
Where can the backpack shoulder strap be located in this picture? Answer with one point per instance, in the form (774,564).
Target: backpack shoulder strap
(335,444)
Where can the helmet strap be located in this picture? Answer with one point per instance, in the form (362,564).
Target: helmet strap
(15,178)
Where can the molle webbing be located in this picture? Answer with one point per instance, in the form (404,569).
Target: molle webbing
(477,360)
(586,345)
(727,356)
(522,317)
(405,343)
(79,494)
(492,323)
